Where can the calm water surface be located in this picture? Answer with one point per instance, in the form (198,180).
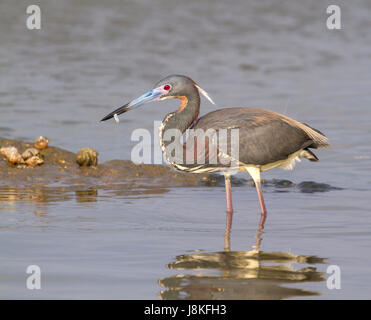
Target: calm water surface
(153,243)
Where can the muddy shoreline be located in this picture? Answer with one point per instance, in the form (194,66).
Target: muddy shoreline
(61,170)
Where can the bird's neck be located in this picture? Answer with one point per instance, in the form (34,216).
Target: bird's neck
(176,123)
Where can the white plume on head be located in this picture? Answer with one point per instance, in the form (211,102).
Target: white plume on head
(202,91)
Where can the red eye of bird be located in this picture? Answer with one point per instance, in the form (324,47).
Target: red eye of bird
(167,87)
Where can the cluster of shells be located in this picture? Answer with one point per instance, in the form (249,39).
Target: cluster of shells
(87,157)
(30,157)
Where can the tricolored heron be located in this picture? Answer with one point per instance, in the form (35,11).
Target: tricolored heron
(266,139)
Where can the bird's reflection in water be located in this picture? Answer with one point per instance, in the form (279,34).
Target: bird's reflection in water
(230,274)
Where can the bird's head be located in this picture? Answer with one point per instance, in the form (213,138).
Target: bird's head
(171,87)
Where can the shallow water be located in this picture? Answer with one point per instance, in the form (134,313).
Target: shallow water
(113,242)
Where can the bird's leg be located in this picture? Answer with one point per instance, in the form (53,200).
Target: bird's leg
(262,204)
(228,192)
(263,217)
(255,174)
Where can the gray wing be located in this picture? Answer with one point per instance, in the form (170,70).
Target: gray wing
(264,137)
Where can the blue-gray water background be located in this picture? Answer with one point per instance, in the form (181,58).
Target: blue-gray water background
(92,56)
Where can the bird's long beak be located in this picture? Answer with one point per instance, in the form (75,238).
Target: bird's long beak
(149,96)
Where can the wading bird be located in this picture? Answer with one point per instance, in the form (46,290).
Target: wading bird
(266,139)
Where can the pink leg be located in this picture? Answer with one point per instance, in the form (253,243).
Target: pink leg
(228,192)
(262,204)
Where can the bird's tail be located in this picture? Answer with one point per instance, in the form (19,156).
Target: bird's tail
(307,154)
(319,139)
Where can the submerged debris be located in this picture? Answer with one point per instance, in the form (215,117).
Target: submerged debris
(12,155)
(41,143)
(87,157)
(312,187)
